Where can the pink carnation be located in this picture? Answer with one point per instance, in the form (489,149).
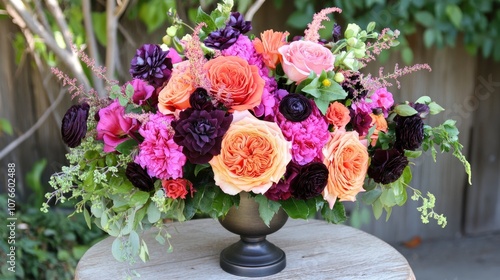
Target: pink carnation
(308,137)
(159,154)
(113,127)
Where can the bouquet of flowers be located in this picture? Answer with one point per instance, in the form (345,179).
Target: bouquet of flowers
(292,122)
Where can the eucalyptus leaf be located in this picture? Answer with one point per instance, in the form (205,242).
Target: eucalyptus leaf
(117,249)
(134,243)
(153,213)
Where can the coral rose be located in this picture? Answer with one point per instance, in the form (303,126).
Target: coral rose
(269,45)
(300,58)
(347,161)
(234,82)
(175,95)
(338,115)
(177,188)
(380,124)
(254,155)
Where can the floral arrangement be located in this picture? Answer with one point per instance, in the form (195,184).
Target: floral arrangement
(292,122)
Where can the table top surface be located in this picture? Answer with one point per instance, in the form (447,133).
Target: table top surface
(314,250)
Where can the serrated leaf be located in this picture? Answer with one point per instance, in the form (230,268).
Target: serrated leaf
(298,209)
(267,208)
(201,16)
(405,110)
(127,146)
(336,215)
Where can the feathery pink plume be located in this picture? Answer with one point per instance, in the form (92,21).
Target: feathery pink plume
(311,33)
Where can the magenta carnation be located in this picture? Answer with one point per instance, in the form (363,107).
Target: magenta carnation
(308,137)
(113,127)
(383,99)
(159,154)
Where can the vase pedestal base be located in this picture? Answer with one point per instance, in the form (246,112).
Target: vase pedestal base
(252,257)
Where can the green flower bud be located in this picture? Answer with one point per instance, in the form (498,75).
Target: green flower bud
(352,30)
(352,41)
(172,30)
(167,40)
(339,78)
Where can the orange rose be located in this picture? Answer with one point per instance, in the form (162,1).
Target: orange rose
(268,47)
(347,161)
(235,82)
(254,155)
(176,188)
(380,125)
(175,95)
(338,115)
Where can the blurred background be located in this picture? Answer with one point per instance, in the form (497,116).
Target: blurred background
(459,39)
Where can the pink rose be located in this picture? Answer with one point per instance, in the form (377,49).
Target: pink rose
(142,91)
(113,127)
(299,58)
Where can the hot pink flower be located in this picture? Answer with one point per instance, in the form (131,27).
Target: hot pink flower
(159,154)
(142,91)
(381,98)
(113,127)
(174,56)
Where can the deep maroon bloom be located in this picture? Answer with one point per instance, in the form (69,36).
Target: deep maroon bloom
(361,122)
(409,132)
(386,166)
(139,177)
(200,100)
(295,107)
(281,190)
(200,133)
(151,64)
(311,181)
(336,32)
(223,38)
(237,21)
(74,124)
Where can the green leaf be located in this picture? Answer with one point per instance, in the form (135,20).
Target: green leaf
(425,18)
(336,215)
(99,26)
(405,110)
(117,250)
(200,167)
(429,37)
(298,209)
(388,210)
(154,13)
(387,198)
(267,208)
(377,208)
(134,243)
(144,253)
(454,13)
(138,198)
(435,108)
(127,146)
(407,176)
(424,100)
(204,17)
(407,55)
(86,215)
(6,127)
(153,213)
(412,154)
(370,197)
(129,91)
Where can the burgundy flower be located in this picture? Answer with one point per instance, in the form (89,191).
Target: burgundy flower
(386,166)
(237,21)
(200,133)
(409,132)
(151,64)
(139,177)
(74,124)
(361,122)
(223,38)
(310,182)
(281,190)
(295,107)
(200,100)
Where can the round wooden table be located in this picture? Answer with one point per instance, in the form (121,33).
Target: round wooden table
(314,250)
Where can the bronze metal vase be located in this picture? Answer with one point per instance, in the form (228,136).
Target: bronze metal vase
(252,255)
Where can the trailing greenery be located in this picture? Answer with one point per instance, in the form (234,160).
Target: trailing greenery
(443,22)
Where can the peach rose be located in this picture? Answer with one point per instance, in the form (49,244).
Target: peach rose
(380,124)
(175,95)
(268,47)
(338,115)
(254,155)
(347,161)
(300,58)
(235,82)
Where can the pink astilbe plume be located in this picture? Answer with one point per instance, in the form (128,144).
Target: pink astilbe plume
(371,83)
(384,41)
(311,33)
(197,59)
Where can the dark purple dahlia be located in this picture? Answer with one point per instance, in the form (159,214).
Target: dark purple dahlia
(409,132)
(311,181)
(200,100)
(237,21)
(74,124)
(422,109)
(200,133)
(295,107)
(151,64)
(386,166)
(223,38)
(281,190)
(361,122)
(139,177)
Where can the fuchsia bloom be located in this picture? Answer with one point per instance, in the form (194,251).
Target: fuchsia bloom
(142,91)
(380,99)
(158,153)
(113,127)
